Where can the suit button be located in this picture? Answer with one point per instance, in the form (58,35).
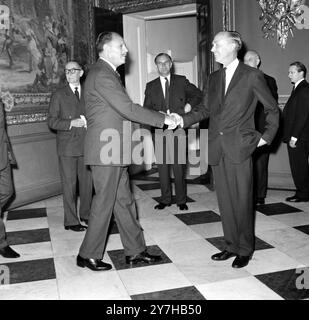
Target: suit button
(221,133)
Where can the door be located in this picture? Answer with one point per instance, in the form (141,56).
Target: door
(107,20)
(204,56)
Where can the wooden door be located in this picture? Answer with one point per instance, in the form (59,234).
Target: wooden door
(107,20)
(205,60)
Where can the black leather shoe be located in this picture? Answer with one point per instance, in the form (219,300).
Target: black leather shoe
(296,199)
(8,252)
(76,228)
(161,206)
(260,201)
(240,261)
(224,255)
(84,220)
(142,257)
(182,206)
(93,264)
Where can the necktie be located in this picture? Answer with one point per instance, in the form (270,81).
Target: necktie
(293,90)
(76,92)
(167,94)
(223,82)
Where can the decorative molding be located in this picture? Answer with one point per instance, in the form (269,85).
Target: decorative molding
(35,137)
(137,5)
(228,15)
(24,118)
(28,108)
(92,40)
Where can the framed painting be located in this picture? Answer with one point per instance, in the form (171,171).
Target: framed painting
(37,39)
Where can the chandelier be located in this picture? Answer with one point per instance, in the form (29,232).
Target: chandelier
(279,18)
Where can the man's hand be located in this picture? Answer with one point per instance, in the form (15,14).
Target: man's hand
(78,123)
(292,143)
(170,121)
(178,119)
(188,108)
(262,143)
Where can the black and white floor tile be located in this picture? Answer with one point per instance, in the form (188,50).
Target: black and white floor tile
(185,239)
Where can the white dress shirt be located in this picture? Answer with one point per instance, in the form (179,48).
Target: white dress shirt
(229,72)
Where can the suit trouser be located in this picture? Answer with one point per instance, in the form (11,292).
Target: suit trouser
(171,159)
(234,188)
(260,171)
(180,183)
(112,195)
(73,169)
(6,191)
(298,158)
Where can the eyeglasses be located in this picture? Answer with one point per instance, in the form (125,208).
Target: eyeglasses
(71,71)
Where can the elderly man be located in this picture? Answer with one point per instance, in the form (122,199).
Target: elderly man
(261,155)
(230,102)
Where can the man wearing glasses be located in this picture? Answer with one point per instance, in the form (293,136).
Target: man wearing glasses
(66,117)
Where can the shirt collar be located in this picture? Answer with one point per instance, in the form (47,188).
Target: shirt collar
(73,87)
(114,68)
(298,82)
(232,66)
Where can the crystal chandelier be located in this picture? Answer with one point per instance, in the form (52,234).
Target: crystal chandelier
(279,18)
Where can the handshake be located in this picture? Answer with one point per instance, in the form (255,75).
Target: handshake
(173,120)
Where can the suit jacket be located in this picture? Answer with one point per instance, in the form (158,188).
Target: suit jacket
(231,117)
(109,112)
(181,92)
(64,107)
(6,153)
(259,112)
(296,114)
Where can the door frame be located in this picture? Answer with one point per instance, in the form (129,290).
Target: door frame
(134,34)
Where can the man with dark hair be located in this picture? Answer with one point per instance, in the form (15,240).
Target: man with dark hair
(230,102)
(67,118)
(109,112)
(260,155)
(171,93)
(6,183)
(296,131)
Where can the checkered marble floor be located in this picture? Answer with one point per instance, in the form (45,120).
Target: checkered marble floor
(47,269)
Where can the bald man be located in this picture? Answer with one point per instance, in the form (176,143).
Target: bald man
(230,100)
(261,155)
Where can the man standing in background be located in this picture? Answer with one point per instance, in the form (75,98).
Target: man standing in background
(66,116)
(260,155)
(296,131)
(171,93)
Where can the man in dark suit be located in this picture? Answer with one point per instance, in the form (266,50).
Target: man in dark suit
(230,101)
(171,93)
(6,183)
(260,155)
(66,116)
(296,131)
(109,112)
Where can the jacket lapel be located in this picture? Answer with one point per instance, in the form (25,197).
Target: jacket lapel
(236,77)
(159,92)
(73,99)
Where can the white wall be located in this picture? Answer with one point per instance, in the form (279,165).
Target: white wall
(175,34)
